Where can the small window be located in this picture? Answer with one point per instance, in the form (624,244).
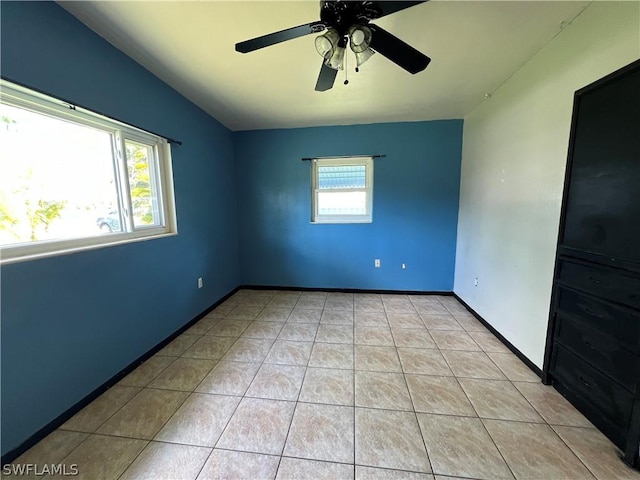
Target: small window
(342,190)
(72,179)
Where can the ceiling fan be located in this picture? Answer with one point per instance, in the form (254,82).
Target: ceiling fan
(347,22)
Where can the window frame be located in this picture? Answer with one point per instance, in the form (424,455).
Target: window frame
(160,172)
(367,162)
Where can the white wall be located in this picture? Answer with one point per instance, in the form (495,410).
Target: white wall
(513,160)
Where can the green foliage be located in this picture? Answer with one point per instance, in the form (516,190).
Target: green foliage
(139,183)
(42,214)
(38,214)
(48,211)
(7,219)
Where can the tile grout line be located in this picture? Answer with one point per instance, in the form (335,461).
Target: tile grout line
(505,373)
(477,414)
(237,405)
(415,414)
(95,431)
(571,450)
(482,423)
(484,427)
(295,406)
(203,463)
(88,437)
(258,371)
(121,407)
(136,457)
(353,378)
(242,397)
(550,426)
(234,411)
(157,431)
(343,405)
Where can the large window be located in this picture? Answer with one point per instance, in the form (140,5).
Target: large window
(71,179)
(342,190)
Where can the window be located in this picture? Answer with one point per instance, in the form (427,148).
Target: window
(72,179)
(342,190)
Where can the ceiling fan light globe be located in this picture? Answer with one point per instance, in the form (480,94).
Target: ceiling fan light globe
(362,57)
(323,46)
(326,43)
(359,38)
(336,60)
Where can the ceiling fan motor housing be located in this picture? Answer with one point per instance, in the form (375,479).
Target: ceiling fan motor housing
(342,15)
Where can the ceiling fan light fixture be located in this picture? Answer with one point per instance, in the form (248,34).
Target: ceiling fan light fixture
(362,57)
(348,22)
(359,38)
(326,43)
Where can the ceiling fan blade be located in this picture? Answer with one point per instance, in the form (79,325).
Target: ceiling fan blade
(387,8)
(326,78)
(399,52)
(281,36)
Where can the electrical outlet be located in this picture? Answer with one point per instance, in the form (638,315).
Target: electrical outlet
(475,283)
(200,282)
(376,263)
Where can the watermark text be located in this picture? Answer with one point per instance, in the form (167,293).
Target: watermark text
(40,470)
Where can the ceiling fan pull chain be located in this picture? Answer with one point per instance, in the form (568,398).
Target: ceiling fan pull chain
(346,70)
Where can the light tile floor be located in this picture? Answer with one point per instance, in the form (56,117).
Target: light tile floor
(312,385)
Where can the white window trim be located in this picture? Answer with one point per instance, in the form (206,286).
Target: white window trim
(341,161)
(21,97)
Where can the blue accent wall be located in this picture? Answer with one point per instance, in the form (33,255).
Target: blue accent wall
(415,208)
(71,322)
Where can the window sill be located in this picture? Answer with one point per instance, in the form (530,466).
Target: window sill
(340,222)
(117,240)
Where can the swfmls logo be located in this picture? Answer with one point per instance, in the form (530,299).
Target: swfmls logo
(23,469)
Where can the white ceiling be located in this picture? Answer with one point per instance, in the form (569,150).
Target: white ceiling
(474,46)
